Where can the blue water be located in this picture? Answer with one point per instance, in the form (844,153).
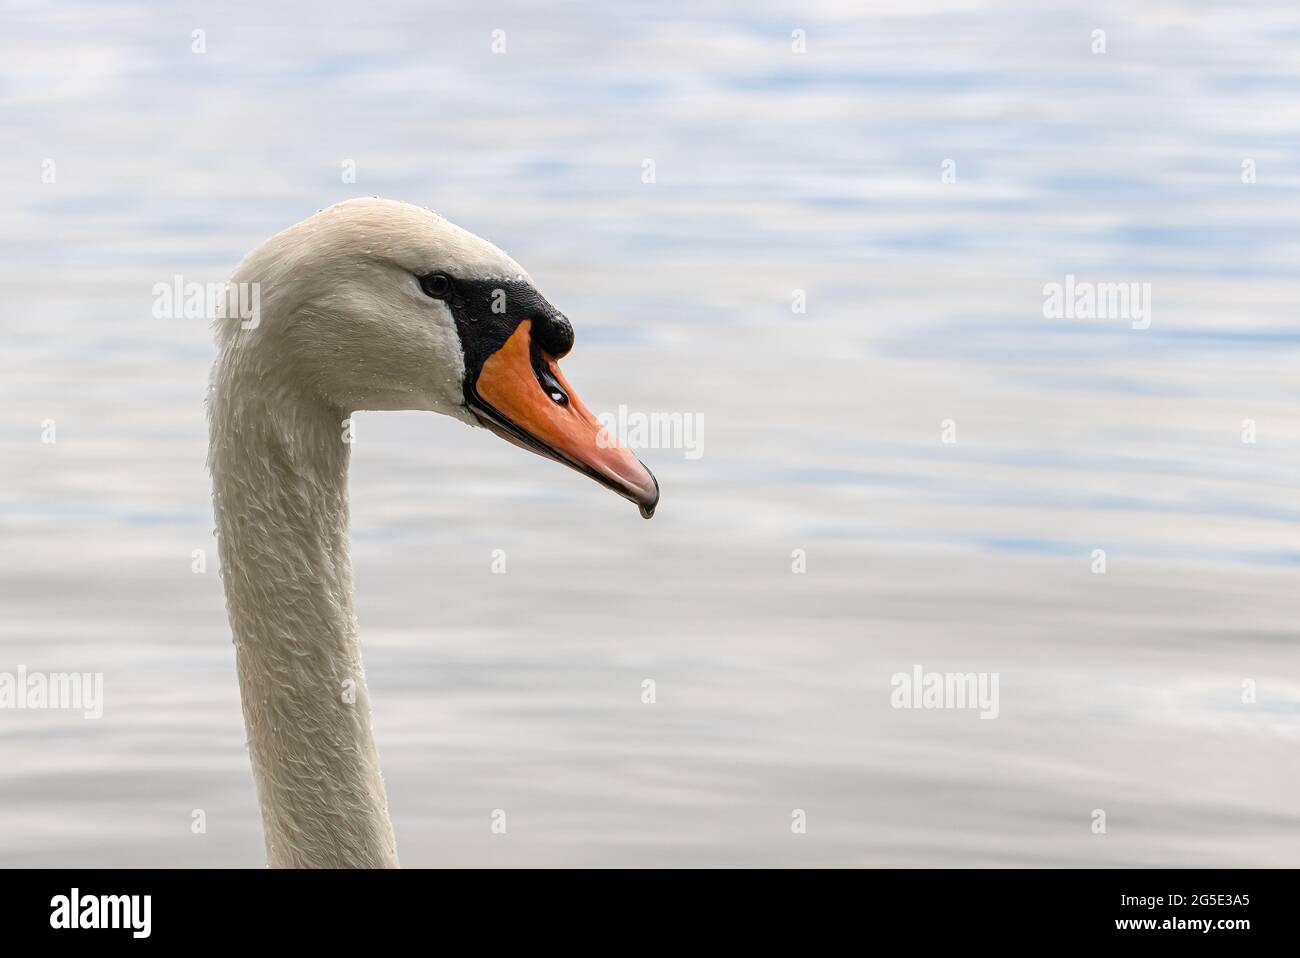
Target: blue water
(775,172)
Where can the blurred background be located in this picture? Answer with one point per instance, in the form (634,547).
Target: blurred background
(775,171)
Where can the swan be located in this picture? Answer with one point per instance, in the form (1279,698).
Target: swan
(370,304)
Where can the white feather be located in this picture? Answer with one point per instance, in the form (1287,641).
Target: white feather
(343,326)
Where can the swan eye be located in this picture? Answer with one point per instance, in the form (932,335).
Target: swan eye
(436,285)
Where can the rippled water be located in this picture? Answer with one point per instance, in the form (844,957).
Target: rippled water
(775,172)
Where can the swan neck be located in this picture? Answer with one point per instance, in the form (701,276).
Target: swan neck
(279,467)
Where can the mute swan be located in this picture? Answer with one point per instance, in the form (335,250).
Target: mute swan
(370,304)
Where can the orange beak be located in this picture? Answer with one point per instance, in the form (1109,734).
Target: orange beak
(521,395)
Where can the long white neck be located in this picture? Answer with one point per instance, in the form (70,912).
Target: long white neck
(279,468)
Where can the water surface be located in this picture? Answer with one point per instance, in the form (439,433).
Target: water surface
(775,172)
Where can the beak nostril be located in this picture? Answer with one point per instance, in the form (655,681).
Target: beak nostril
(553,389)
(545,378)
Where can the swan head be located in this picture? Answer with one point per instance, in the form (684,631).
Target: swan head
(376,304)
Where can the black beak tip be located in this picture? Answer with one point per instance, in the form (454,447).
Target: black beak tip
(648,503)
